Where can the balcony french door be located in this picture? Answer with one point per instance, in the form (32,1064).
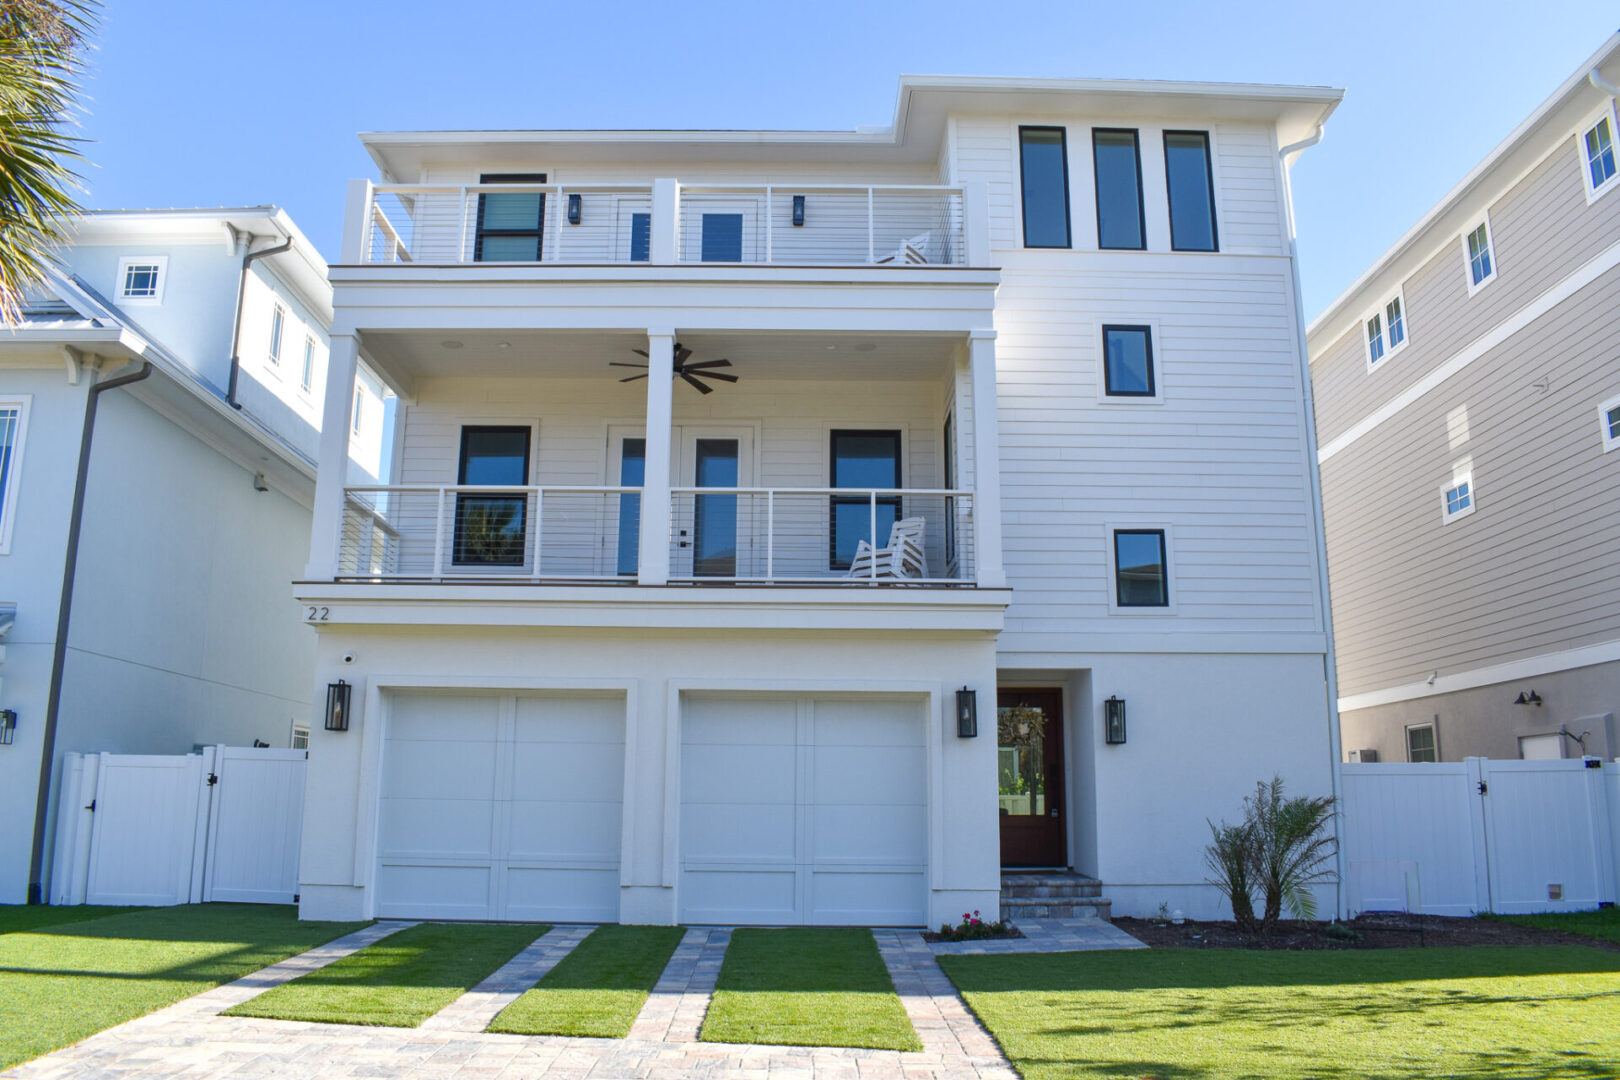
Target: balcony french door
(711,540)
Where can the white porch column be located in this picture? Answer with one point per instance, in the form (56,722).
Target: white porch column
(333,466)
(664,245)
(986,461)
(653,565)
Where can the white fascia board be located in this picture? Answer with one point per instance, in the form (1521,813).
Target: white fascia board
(1528,667)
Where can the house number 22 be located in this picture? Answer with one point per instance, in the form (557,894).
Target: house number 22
(317,614)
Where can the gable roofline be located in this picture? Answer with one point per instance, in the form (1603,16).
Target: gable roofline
(1347,306)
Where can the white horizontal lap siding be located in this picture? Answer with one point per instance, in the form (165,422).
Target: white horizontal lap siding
(1250,205)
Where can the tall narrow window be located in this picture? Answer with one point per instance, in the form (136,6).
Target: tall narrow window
(1140,572)
(1190,178)
(306,377)
(717,463)
(950,485)
(1609,424)
(1599,145)
(1044,168)
(511,224)
(1481,266)
(278,320)
(1375,339)
(1128,361)
(1397,322)
(490,528)
(13,415)
(862,459)
(359,404)
(1118,164)
(722,238)
(632,473)
(640,237)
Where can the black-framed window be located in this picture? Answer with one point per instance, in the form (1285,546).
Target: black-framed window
(1141,572)
(1190,178)
(862,459)
(1128,361)
(1117,161)
(949,434)
(491,529)
(1043,158)
(722,239)
(511,224)
(640,237)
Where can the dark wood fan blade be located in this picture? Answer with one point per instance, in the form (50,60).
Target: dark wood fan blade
(633,378)
(700,387)
(639,352)
(617,363)
(718,375)
(707,364)
(681,354)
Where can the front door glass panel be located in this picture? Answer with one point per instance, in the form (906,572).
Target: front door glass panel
(1029,777)
(714,541)
(632,473)
(1021,757)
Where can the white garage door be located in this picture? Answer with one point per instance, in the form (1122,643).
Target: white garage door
(803,810)
(501,807)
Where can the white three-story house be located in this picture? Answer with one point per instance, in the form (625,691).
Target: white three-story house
(812,526)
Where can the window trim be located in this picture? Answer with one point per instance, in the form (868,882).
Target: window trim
(1155,362)
(1096,186)
(538,232)
(1068,210)
(531,434)
(1434,732)
(833,501)
(1610,111)
(306,374)
(278,335)
(1209,176)
(127,261)
(1167,536)
(1483,221)
(8,498)
(1610,442)
(1447,515)
(1381,312)
(356,410)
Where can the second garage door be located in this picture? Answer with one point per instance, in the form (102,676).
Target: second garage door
(803,809)
(501,807)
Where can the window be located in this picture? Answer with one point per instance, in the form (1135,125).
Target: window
(1458,498)
(1598,149)
(862,459)
(1387,330)
(640,237)
(1128,362)
(1141,577)
(359,406)
(300,737)
(722,237)
(1375,339)
(306,377)
(140,279)
(1118,165)
(632,473)
(278,321)
(1481,260)
(1397,323)
(1191,180)
(1421,744)
(1609,423)
(13,426)
(490,529)
(511,224)
(1044,167)
(950,485)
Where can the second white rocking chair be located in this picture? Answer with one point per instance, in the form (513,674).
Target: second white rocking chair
(903,557)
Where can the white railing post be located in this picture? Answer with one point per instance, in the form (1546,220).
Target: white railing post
(770,535)
(438,538)
(871,233)
(653,566)
(539,520)
(326,526)
(664,243)
(356,223)
(769,214)
(876,547)
(976,223)
(988,570)
(462,237)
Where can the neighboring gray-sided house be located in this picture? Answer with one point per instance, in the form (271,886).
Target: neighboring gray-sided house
(1467,392)
(194,514)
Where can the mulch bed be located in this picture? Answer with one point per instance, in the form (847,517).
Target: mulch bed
(934,936)
(1374,931)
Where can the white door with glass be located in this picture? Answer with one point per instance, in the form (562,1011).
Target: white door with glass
(712,534)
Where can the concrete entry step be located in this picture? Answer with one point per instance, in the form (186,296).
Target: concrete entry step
(1052,894)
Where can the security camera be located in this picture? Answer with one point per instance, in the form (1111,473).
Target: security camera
(348,658)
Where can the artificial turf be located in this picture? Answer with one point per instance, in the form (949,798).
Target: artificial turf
(63,983)
(807,988)
(1603,923)
(399,981)
(21,918)
(597,989)
(1377,1014)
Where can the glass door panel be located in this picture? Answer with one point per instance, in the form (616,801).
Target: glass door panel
(714,541)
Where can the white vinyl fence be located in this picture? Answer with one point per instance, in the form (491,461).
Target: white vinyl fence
(220,824)
(1456,838)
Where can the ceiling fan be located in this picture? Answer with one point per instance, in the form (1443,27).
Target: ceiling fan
(692,373)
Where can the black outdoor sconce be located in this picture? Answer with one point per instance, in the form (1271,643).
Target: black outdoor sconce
(798,209)
(337,705)
(573,209)
(8,726)
(967,713)
(1114,721)
(1532,698)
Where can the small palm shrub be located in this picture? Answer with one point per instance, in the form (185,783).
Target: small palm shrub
(1281,848)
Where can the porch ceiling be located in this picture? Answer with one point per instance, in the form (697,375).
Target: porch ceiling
(570,354)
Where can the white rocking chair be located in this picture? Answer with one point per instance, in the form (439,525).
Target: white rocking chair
(902,558)
(911,252)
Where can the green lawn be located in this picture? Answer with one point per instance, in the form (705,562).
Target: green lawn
(597,989)
(1384,1014)
(20,918)
(62,983)
(399,981)
(1603,923)
(807,988)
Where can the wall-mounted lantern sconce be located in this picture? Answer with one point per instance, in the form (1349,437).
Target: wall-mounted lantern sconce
(8,726)
(573,209)
(1114,721)
(1532,698)
(798,209)
(967,713)
(337,705)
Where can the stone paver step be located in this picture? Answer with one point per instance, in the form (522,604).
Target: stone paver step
(1079,907)
(1067,888)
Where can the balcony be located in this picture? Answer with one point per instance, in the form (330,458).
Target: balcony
(664,223)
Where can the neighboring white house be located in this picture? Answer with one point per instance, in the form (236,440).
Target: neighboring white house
(194,514)
(608,648)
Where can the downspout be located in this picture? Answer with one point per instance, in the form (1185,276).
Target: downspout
(1329,663)
(64,611)
(236,320)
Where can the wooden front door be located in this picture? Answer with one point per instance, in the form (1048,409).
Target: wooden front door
(1029,773)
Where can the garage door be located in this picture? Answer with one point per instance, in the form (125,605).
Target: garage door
(803,810)
(501,807)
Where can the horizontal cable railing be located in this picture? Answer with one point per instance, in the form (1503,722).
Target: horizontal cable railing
(753,534)
(835,225)
(458,532)
(562,223)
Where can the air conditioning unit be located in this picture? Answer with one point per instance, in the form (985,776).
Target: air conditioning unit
(1364,757)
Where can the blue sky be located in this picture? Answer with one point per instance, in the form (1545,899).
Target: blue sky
(203,102)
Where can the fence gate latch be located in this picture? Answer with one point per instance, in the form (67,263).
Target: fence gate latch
(1483,787)
(213,778)
(92,806)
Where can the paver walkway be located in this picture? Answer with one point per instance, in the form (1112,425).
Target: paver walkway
(191,1041)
